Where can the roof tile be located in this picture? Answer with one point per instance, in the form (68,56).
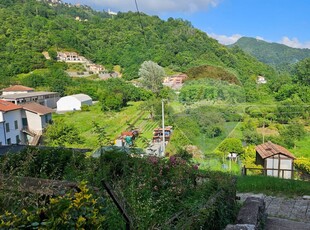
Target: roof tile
(6,106)
(269,149)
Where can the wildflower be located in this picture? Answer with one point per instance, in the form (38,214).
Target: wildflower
(195,167)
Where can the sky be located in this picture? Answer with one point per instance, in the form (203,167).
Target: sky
(282,21)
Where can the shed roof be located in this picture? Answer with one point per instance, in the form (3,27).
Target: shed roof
(6,106)
(269,149)
(81,97)
(14,88)
(26,95)
(37,108)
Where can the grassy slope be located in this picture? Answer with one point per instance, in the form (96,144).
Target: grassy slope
(113,122)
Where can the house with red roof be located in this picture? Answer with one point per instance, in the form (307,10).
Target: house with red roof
(23,124)
(15,89)
(10,123)
(276,160)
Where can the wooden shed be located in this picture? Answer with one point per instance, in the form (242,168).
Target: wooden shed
(276,160)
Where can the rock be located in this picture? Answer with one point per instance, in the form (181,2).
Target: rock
(240,227)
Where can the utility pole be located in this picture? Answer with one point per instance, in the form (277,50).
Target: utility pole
(163,125)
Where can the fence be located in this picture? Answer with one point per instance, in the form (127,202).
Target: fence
(281,173)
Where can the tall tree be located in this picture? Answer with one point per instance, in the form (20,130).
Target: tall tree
(151,75)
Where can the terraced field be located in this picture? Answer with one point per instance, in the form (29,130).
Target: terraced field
(114,123)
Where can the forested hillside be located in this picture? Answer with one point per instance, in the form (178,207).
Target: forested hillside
(128,39)
(280,56)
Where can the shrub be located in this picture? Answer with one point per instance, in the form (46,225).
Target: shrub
(80,210)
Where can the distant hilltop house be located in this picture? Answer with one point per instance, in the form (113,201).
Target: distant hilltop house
(261,80)
(73,102)
(111,12)
(15,89)
(276,160)
(51,2)
(70,57)
(175,81)
(77,18)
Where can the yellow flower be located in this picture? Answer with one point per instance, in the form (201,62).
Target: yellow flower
(53,200)
(81,219)
(24,212)
(7,213)
(87,196)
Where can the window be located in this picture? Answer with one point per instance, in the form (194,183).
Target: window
(7,127)
(16,124)
(0,143)
(17,139)
(8,141)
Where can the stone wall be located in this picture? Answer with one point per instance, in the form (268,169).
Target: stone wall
(252,215)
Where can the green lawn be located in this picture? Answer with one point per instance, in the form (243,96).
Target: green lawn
(272,186)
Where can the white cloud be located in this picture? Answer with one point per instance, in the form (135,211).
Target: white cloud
(150,6)
(260,38)
(294,42)
(226,40)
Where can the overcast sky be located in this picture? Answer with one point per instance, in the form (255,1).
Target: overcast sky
(282,21)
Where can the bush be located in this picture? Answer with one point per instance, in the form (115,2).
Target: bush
(82,210)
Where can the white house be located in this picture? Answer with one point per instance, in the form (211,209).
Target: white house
(10,123)
(35,118)
(15,89)
(73,102)
(261,80)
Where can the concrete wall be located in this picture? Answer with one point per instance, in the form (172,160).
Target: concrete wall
(34,121)
(2,135)
(10,118)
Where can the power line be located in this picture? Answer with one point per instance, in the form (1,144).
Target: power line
(141,24)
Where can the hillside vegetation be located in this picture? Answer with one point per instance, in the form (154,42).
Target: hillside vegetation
(277,55)
(127,39)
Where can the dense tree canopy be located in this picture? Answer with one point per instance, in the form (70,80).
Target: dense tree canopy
(31,27)
(151,76)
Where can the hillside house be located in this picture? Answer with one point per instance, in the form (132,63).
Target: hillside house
(48,99)
(261,80)
(73,102)
(35,118)
(16,89)
(276,160)
(95,68)
(70,57)
(10,123)
(175,81)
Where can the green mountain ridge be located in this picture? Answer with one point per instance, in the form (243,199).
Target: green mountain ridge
(31,27)
(277,55)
